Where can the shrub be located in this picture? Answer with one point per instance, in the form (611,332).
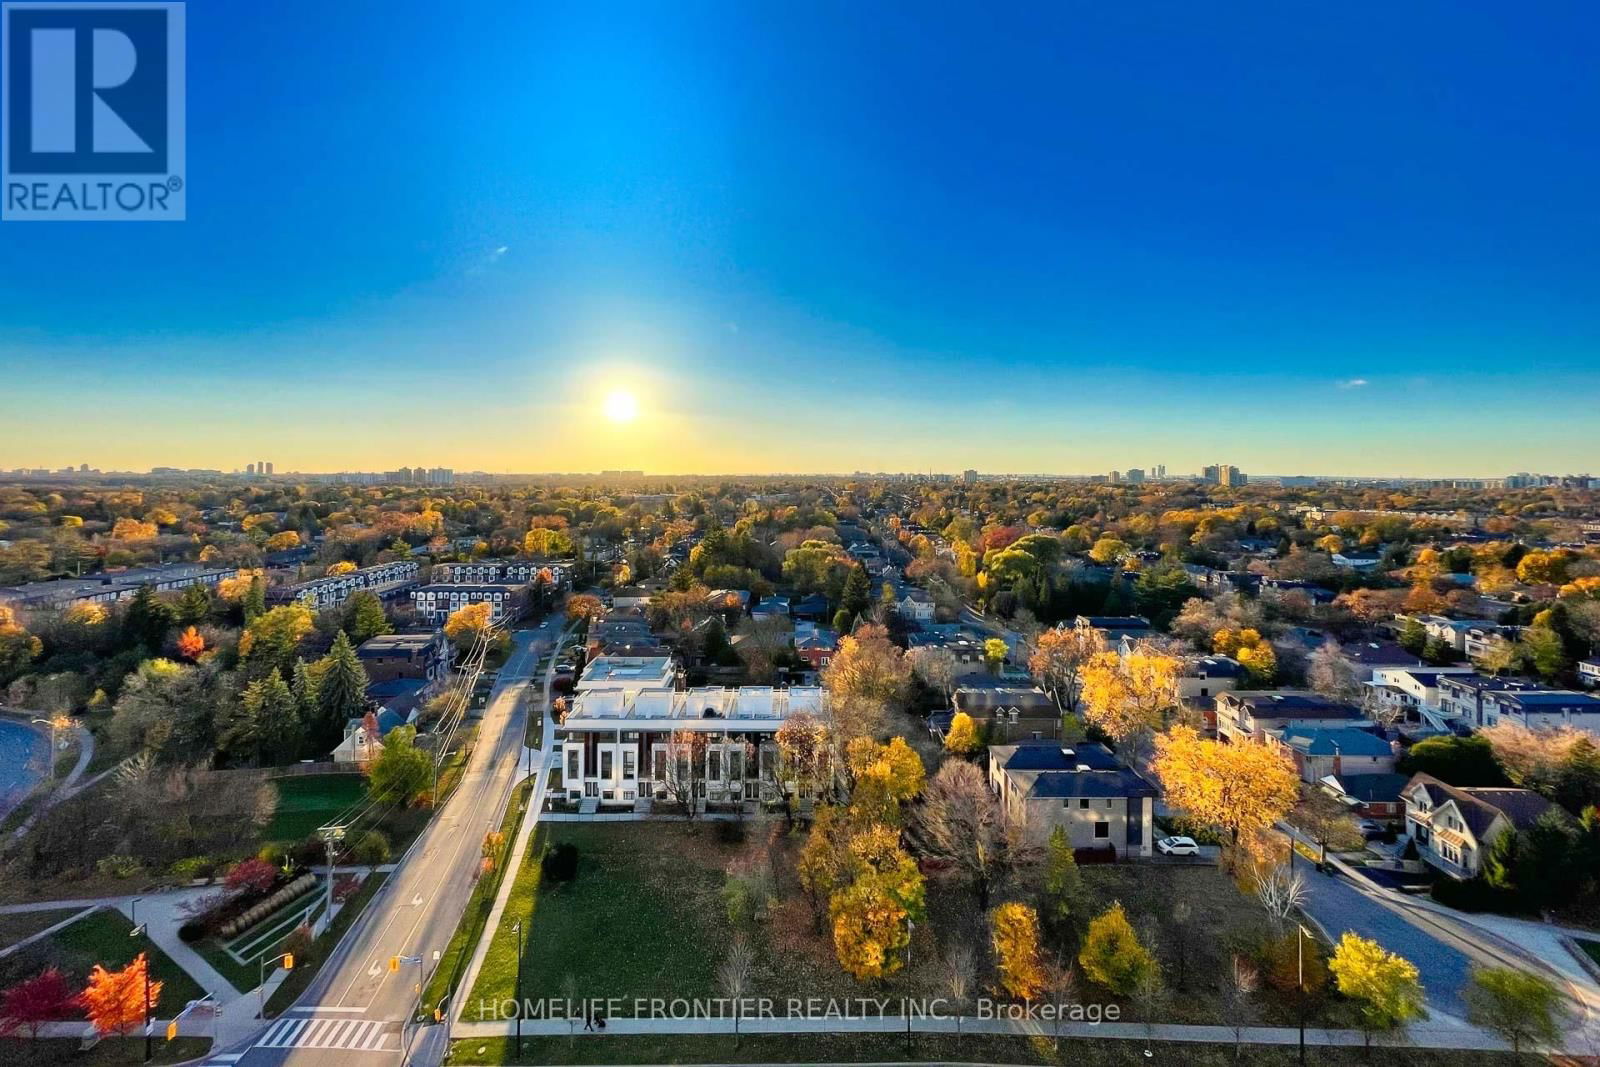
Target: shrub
(1474,895)
(192,867)
(117,866)
(191,931)
(301,943)
(274,853)
(738,900)
(253,875)
(1280,959)
(371,848)
(309,851)
(344,887)
(560,864)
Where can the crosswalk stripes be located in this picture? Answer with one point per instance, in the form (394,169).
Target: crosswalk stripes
(365,1035)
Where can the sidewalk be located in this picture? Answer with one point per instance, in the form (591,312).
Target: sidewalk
(1419,1036)
(519,848)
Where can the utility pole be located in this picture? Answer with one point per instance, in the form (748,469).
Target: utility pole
(1300,971)
(331,835)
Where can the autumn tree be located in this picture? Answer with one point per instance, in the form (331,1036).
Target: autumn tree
(191,644)
(1129,697)
(872,913)
(270,642)
(1519,1007)
(867,675)
(18,647)
(467,624)
(1384,984)
(883,776)
(116,1001)
(1059,658)
(585,608)
(1015,935)
(804,756)
(962,737)
(1253,651)
(1112,954)
(1240,789)
(34,1002)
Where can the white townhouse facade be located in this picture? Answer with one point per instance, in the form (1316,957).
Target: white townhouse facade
(620,747)
(435,602)
(495,572)
(388,580)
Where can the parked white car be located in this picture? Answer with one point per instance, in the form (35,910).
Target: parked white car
(1177,846)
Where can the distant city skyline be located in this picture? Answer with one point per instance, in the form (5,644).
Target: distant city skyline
(757,238)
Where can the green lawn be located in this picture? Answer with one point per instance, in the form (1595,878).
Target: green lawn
(101,937)
(470,929)
(119,1051)
(306,802)
(890,1048)
(21,924)
(305,969)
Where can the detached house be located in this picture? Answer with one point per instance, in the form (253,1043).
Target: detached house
(1084,789)
(1010,712)
(1453,827)
(1248,714)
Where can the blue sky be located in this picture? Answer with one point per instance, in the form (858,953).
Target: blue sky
(812,237)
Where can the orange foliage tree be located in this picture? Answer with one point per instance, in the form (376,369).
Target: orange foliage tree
(116,1000)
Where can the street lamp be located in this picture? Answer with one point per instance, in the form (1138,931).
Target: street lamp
(1300,973)
(139,931)
(516,928)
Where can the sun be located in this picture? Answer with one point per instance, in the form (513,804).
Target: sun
(621,406)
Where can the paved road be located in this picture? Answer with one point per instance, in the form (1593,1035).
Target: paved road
(353,1013)
(1337,905)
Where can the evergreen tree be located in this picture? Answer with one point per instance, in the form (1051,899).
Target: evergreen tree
(266,728)
(255,600)
(1063,882)
(341,693)
(304,688)
(147,621)
(194,606)
(857,595)
(364,618)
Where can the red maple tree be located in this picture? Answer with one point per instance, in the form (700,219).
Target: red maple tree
(32,1002)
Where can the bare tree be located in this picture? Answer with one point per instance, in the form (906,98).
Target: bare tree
(1243,981)
(686,768)
(734,975)
(1062,980)
(1332,675)
(961,821)
(936,667)
(1281,892)
(960,973)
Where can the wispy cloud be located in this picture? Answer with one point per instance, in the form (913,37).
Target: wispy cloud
(488,259)
(1354,383)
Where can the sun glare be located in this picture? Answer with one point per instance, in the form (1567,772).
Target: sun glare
(621,406)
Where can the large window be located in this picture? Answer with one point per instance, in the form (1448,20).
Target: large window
(629,758)
(714,765)
(1102,830)
(735,765)
(605,765)
(660,771)
(574,755)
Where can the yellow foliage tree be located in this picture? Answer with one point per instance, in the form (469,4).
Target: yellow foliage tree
(1112,954)
(279,542)
(1254,652)
(962,737)
(1015,931)
(115,1000)
(1386,985)
(467,623)
(133,530)
(1241,788)
(344,566)
(1130,696)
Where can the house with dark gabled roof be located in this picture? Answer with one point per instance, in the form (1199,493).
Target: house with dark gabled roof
(1453,827)
(1319,751)
(1082,788)
(1248,714)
